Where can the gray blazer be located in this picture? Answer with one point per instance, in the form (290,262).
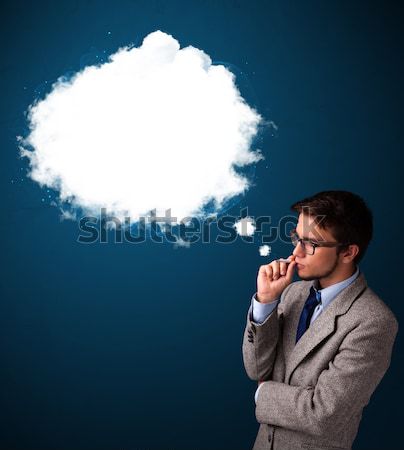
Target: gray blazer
(316,389)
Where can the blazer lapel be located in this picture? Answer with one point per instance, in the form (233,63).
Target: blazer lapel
(322,327)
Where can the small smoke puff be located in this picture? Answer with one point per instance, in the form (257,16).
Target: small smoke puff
(265,250)
(245,226)
(179,242)
(155,127)
(66,215)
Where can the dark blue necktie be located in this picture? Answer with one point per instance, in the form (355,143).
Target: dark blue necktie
(312,301)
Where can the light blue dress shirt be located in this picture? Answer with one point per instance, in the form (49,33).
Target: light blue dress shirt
(260,311)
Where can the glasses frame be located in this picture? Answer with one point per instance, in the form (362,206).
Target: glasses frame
(294,237)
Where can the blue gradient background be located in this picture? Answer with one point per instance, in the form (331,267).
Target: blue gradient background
(139,346)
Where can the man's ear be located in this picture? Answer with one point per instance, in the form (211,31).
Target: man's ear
(350,253)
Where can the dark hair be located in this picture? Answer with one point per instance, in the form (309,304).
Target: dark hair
(344,213)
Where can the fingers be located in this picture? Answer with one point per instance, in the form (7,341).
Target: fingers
(291,269)
(273,270)
(276,265)
(283,267)
(273,278)
(278,268)
(267,270)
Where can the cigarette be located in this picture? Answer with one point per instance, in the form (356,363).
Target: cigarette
(284,260)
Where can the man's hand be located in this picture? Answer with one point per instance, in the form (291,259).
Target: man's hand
(273,278)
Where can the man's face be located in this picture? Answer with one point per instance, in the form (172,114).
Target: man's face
(325,259)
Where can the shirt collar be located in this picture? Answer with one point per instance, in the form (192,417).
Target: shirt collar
(330,292)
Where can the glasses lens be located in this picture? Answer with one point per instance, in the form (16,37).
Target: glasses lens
(309,248)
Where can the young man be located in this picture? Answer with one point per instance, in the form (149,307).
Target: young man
(317,347)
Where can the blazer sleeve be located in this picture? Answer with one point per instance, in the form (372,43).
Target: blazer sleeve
(345,386)
(260,342)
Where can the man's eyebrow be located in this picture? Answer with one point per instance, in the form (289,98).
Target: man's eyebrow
(305,238)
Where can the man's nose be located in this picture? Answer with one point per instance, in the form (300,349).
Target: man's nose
(298,250)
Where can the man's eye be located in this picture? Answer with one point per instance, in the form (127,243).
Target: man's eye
(307,241)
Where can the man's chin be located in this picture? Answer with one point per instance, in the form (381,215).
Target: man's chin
(312,276)
(306,277)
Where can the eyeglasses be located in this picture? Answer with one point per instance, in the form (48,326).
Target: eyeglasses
(309,246)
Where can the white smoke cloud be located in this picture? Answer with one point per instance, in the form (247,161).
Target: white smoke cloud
(265,250)
(154,127)
(245,227)
(66,215)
